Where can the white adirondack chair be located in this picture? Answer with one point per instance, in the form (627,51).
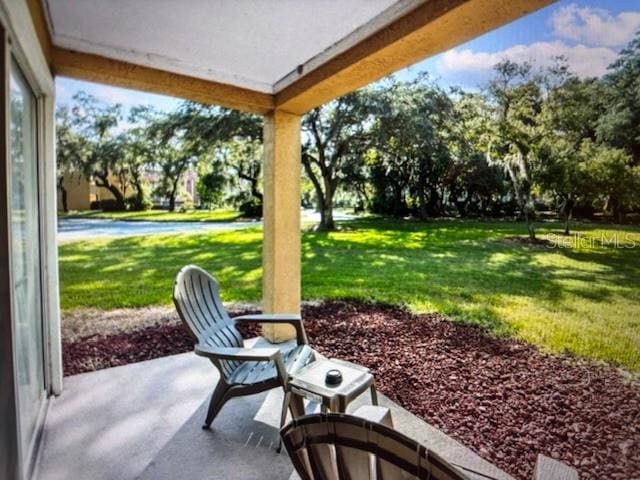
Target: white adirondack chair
(243,371)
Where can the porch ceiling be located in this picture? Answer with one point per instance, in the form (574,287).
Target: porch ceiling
(257,55)
(249,43)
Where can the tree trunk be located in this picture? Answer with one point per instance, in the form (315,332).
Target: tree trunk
(172,200)
(117,195)
(254,181)
(363,199)
(172,195)
(567,219)
(616,211)
(567,211)
(530,227)
(64,196)
(326,218)
(326,210)
(422,196)
(257,194)
(434,202)
(65,202)
(139,197)
(324,196)
(522,190)
(398,202)
(137,185)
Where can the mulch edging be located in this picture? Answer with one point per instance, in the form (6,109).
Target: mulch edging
(503,398)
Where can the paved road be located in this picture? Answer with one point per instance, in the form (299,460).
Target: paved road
(72,229)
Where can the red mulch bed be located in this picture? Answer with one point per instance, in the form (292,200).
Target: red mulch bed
(503,398)
(101,351)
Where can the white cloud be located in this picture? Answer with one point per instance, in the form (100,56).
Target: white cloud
(595,26)
(583,60)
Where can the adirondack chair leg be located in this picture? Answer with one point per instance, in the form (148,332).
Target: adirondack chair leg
(283,416)
(218,399)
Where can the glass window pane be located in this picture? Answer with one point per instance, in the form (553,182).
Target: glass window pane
(25,248)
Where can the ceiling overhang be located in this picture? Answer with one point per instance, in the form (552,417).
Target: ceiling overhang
(388,35)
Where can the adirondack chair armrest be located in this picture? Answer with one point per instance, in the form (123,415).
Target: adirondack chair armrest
(269,318)
(290,318)
(236,353)
(246,355)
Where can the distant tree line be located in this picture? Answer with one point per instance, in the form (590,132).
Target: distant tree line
(532,140)
(96,141)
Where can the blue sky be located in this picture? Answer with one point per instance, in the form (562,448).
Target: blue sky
(588,32)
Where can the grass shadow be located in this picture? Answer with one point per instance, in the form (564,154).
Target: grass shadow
(582,300)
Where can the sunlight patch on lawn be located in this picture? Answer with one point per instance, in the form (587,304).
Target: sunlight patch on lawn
(582,300)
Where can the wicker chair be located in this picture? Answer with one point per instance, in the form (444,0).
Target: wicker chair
(243,371)
(338,446)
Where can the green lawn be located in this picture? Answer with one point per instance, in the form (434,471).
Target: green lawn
(584,299)
(159,215)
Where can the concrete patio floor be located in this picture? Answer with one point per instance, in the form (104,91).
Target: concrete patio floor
(144,421)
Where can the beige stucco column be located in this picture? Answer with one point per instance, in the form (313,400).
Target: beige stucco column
(281,244)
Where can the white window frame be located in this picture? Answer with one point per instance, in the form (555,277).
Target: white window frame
(20,41)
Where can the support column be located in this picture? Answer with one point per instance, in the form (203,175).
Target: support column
(281,216)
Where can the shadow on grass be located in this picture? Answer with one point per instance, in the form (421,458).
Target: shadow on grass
(458,268)
(139,271)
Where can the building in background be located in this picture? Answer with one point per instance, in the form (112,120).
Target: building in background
(83,194)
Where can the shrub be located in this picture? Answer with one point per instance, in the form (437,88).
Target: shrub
(184,202)
(111,205)
(251,208)
(136,204)
(210,188)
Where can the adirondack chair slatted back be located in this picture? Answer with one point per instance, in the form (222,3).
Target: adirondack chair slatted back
(197,300)
(338,446)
